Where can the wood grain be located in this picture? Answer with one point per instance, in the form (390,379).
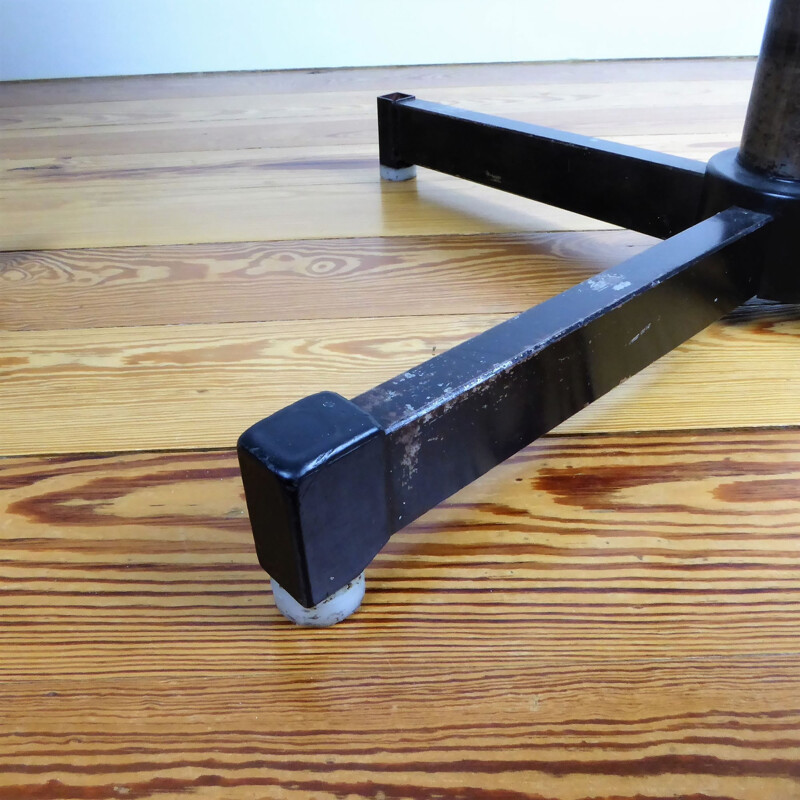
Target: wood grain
(161,387)
(359,106)
(277,193)
(609,615)
(263,281)
(593,549)
(382,728)
(213,167)
(65,217)
(598,617)
(233,84)
(264,167)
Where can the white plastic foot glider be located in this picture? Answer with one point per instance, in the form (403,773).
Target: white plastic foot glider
(340,605)
(404,174)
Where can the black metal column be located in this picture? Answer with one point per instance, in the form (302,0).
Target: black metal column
(771,138)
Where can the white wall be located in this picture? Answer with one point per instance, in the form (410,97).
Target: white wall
(72,38)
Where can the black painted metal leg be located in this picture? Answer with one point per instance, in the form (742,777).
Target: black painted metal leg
(764,173)
(638,189)
(329,480)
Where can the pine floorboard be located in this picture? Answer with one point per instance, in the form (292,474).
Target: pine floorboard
(612,613)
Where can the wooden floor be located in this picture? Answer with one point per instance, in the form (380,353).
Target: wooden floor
(613,613)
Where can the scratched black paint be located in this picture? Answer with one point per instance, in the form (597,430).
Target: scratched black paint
(328,480)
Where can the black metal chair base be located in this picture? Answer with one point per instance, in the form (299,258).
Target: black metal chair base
(328,480)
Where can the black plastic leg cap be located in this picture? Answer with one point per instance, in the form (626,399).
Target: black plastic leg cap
(314,476)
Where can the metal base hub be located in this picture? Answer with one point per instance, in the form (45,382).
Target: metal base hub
(730,183)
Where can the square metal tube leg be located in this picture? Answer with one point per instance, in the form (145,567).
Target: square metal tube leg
(639,189)
(329,480)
